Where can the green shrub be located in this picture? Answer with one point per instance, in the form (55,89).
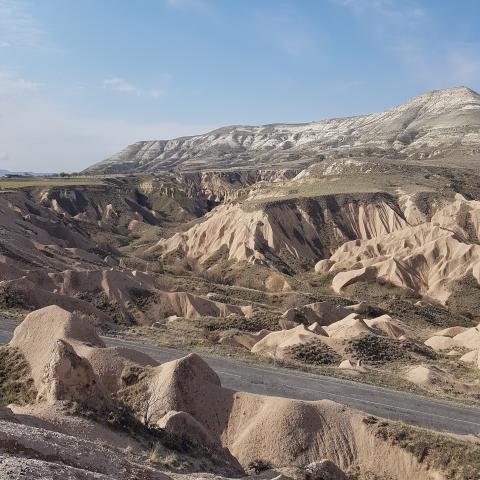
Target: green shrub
(259,466)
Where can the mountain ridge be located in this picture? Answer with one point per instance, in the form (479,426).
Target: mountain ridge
(430,126)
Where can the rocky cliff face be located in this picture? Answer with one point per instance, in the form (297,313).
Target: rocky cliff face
(301,230)
(428,128)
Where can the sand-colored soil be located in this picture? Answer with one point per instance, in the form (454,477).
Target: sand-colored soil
(186,396)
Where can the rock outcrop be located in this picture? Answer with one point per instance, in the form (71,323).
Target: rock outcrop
(426,259)
(324,470)
(267,234)
(70,377)
(277,344)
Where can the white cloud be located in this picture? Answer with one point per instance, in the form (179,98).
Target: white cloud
(18,28)
(121,85)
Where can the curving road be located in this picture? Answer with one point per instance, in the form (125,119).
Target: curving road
(410,408)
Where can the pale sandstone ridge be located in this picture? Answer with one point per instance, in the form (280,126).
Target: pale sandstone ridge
(70,287)
(458,337)
(350,327)
(437,378)
(55,342)
(246,339)
(262,234)
(428,126)
(186,397)
(284,432)
(362,239)
(323,313)
(278,344)
(426,259)
(42,452)
(472,357)
(73,288)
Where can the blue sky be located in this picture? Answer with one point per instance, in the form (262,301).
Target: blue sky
(82,79)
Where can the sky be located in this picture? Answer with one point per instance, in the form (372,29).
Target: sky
(79,80)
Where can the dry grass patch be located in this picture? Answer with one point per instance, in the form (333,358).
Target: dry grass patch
(374,349)
(459,459)
(261,320)
(16,384)
(28,182)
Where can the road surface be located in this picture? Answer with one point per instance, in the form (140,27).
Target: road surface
(281,382)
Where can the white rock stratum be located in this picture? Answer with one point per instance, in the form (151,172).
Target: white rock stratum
(429,127)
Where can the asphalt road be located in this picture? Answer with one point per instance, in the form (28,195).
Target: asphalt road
(381,402)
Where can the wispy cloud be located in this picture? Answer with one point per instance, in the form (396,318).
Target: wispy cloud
(410,33)
(11,84)
(121,85)
(18,28)
(35,132)
(192,6)
(464,63)
(286,31)
(404,14)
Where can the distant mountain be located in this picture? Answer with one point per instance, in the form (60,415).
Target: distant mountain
(436,127)
(3,173)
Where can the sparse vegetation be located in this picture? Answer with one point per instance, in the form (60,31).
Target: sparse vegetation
(28,182)
(141,297)
(154,454)
(459,459)
(16,385)
(424,314)
(465,298)
(100,300)
(314,353)
(238,322)
(258,466)
(11,298)
(374,349)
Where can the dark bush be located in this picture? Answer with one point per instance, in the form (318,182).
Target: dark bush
(259,466)
(376,349)
(314,353)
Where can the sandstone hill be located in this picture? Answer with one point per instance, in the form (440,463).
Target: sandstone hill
(70,365)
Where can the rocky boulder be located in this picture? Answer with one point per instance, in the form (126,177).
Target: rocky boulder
(70,377)
(324,470)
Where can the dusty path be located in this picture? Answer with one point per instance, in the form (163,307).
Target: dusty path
(410,408)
